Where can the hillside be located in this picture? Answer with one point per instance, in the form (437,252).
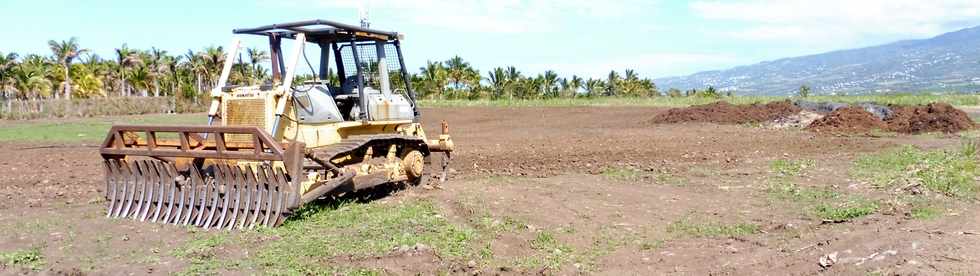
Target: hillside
(948,62)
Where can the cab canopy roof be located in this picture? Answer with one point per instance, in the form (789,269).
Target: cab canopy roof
(321,31)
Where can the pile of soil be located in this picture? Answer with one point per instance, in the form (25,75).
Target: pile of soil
(934,117)
(725,113)
(847,119)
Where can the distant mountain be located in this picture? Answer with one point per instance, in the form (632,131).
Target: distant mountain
(948,62)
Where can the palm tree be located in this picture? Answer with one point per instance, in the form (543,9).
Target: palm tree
(171,64)
(434,74)
(630,85)
(197,65)
(594,87)
(498,80)
(548,83)
(7,64)
(512,76)
(32,77)
(155,68)
(127,59)
(458,70)
(214,59)
(613,82)
(575,83)
(88,83)
(140,79)
(255,57)
(65,52)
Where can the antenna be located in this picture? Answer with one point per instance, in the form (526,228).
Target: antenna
(363,13)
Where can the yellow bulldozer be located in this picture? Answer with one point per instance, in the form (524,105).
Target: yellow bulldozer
(269,149)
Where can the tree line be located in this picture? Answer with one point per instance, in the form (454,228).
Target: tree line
(71,71)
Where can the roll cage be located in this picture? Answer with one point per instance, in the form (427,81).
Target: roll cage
(333,38)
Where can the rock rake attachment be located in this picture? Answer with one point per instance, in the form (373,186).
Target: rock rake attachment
(201,179)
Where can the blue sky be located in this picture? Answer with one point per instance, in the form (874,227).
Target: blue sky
(583,37)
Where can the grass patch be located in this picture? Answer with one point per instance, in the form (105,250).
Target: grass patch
(28,258)
(86,129)
(823,203)
(628,174)
(925,212)
(552,253)
(688,227)
(851,208)
(786,190)
(790,167)
(317,233)
(925,209)
(623,174)
(948,172)
(201,253)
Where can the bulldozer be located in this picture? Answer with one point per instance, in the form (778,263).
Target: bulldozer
(268,149)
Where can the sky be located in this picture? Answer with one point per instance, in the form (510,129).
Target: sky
(657,38)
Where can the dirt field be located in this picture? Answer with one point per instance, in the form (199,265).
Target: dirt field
(579,190)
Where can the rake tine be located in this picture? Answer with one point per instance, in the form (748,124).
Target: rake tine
(249,190)
(187,204)
(112,177)
(150,178)
(139,191)
(259,184)
(215,190)
(224,183)
(242,194)
(123,180)
(133,183)
(173,215)
(191,186)
(240,190)
(206,196)
(280,188)
(271,192)
(203,185)
(270,217)
(141,188)
(170,214)
(164,175)
(235,205)
(251,201)
(212,190)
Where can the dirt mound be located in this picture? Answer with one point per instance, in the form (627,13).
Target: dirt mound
(934,117)
(848,119)
(725,113)
(928,118)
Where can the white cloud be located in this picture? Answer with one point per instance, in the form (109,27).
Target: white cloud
(842,21)
(500,16)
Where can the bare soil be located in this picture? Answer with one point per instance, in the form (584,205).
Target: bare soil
(555,170)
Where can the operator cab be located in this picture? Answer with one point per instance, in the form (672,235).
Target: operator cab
(368,80)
